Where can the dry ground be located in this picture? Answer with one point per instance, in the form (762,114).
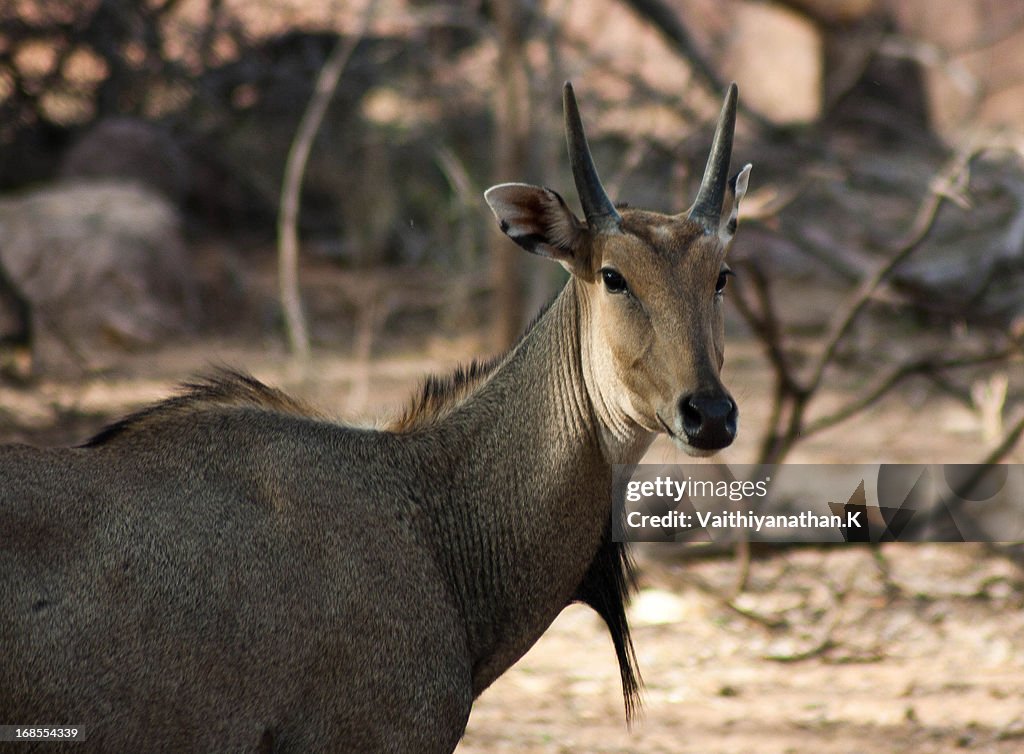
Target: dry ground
(918,648)
(931,661)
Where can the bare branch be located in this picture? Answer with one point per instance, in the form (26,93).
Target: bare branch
(948,184)
(665,19)
(929,364)
(1004,448)
(765,323)
(793,393)
(291,189)
(773,622)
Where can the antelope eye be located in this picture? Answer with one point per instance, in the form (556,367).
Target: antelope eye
(613,281)
(723,278)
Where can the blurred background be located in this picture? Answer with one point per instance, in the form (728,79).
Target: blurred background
(177,191)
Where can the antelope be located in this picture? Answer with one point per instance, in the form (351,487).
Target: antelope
(227,570)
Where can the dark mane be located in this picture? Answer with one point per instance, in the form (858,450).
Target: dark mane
(224,387)
(440,395)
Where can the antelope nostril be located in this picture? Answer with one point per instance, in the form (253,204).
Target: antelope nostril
(709,419)
(692,417)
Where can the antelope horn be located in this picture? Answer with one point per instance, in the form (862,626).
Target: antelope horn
(600,212)
(707,208)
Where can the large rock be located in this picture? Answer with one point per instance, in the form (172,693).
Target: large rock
(101,265)
(130,149)
(973,54)
(777,57)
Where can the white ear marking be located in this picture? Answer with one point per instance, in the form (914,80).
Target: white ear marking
(737,189)
(741,182)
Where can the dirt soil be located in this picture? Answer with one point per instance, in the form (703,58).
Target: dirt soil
(927,659)
(910,648)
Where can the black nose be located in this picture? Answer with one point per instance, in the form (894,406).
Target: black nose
(709,419)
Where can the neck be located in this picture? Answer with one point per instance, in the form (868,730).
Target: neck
(525,513)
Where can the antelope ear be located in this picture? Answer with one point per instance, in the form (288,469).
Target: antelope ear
(735,192)
(538,220)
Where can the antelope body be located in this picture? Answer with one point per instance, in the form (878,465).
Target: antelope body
(226,571)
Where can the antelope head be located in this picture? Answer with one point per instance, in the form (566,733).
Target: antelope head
(651,288)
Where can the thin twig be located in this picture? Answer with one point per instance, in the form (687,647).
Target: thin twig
(291,189)
(823,646)
(743,560)
(772,622)
(828,641)
(764,322)
(1004,448)
(894,378)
